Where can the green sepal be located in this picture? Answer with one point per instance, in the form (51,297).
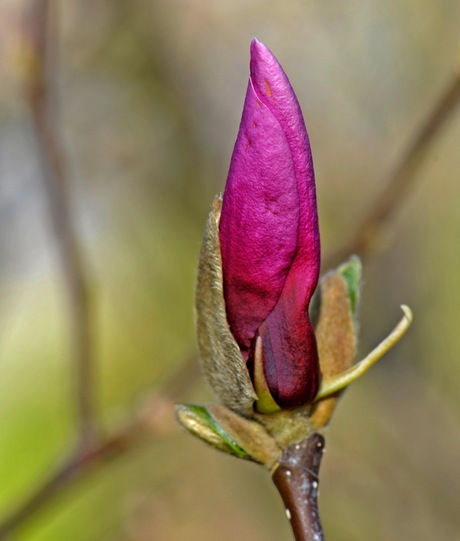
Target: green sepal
(351,271)
(198,421)
(220,355)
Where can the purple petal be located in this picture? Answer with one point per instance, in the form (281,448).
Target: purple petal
(269,231)
(259,220)
(273,87)
(290,353)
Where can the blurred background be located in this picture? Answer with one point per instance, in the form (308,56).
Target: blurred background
(149,94)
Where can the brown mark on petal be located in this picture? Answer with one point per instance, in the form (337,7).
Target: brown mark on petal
(221,360)
(268,89)
(336,339)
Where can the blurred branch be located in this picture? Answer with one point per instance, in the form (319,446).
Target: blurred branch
(76,466)
(153,418)
(41,42)
(94,449)
(155,415)
(401,180)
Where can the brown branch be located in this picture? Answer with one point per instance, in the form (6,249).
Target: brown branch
(154,418)
(40,38)
(296,474)
(75,467)
(401,180)
(156,413)
(296,478)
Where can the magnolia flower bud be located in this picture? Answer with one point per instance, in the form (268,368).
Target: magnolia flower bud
(258,269)
(269,241)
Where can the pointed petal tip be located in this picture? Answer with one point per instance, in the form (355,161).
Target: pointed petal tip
(255,44)
(260,52)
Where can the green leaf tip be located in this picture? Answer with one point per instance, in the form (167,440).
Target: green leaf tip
(198,421)
(351,271)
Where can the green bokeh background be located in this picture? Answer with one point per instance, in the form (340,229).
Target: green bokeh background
(150,97)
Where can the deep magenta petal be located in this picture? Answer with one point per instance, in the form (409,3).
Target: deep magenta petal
(269,234)
(273,87)
(290,353)
(259,220)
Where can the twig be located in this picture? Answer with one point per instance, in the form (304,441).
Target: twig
(75,467)
(401,180)
(154,417)
(296,478)
(41,40)
(296,474)
(93,449)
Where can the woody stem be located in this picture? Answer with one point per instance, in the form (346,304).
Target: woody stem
(296,478)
